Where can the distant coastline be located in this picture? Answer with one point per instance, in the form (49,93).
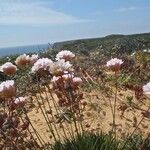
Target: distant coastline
(23,49)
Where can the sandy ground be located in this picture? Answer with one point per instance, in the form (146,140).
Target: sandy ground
(97,115)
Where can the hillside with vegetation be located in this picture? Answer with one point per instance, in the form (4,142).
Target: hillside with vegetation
(108,44)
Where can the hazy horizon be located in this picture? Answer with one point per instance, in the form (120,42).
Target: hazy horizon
(68,40)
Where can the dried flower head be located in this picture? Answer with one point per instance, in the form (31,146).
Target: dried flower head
(114,64)
(22,60)
(60,67)
(42,65)
(7,89)
(65,54)
(8,68)
(33,58)
(146,88)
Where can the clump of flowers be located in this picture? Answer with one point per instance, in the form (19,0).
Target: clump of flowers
(146,88)
(7,89)
(114,64)
(60,67)
(22,60)
(42,66)
(65,54)
(14,133)
(66,88)
(8,68)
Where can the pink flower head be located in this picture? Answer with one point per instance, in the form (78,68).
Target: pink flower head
(65,54)
(77,81)
(8,68)
(146,88)
(20,101)
(42,65)
(60,67)
(7,89)
(114,64)
(22,60)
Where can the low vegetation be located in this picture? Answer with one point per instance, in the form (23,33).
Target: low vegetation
(60,101)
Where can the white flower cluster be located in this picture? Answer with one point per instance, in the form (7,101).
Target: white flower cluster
(6,84)
(67,78)
(7,65)
(60,66)
(7,89)
(43,63)
(19,100)
(113,62)
(65,54)
(55,68)
(22,60)
(146,88)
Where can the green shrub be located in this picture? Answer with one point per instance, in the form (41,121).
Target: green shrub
(88,141)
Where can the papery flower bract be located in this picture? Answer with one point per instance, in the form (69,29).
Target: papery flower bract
(20,101)
(114,64)
(42,65)
(77,81)
(22,60)
(8,68)
(8,89)
(66,55)
(146,88)
(60,67)
(33,58)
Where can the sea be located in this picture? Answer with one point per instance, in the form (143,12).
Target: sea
(7,51)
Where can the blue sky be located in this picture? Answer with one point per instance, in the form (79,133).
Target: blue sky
(26,22)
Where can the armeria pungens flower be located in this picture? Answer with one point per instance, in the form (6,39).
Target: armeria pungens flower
(33,58)
(8,68)
(42,65)
(77,81)
(22,60)
(65,54)
(60,67)
(146,88)
(8,89)
(20,101)
(114,64)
